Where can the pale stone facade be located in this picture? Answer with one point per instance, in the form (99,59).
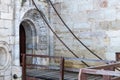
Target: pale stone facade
(95,22)
(6,38)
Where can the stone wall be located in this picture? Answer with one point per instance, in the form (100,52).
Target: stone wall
(37,34)
(94,22)
(6,38)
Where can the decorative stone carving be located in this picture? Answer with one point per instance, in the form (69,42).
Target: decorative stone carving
(41,29)
(5,59)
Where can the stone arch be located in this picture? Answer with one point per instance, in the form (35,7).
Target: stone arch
(38,28)
(30,29)
(27,38)
(42,31)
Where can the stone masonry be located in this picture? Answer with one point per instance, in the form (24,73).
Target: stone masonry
(95,22)
(6,38)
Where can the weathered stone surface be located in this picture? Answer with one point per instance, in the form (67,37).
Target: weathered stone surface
(92,22)
(1,23)
(1,78)
(95,22)
(7,77)
(110,14)
(6,2)
(4,8)
(96,15)
(6,15)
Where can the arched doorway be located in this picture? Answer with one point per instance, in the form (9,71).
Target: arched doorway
(27,40)
(22,42)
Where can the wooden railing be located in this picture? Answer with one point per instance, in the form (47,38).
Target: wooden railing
(24,64)
(82,73)
(107,71)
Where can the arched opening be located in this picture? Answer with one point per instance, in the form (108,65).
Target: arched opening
(22,42)
(27,35)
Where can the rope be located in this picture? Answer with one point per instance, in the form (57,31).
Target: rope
(43,17)
(72,32)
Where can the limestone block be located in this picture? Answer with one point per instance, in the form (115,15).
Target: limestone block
(16,39)
(113,3)
(104,3)
(60,29)
(74,64)
(3,8)
(4,32)
(11,39)
(104,25)
(11,9)
(68,42)
(42,33)
(82,25)
(97,15)
(2,73)
(1,78)
(117,6)
(42,46)
(115,42)
(58,7)
(99,52)
(57,42)
(110,55)
(114,49)
(118,14)
(9,31)
(64,53)
(87,42)
(115,25)
(1,23)
(58,47)
(86,5)
(98,4)
(98,43)
(68,8)
(92,63)
(6,15)
(78,48)
(68,20)
(85,34)
(6,1)
(98,34)
(8,24)
(57,1)
(8,72)
(4,38)
(110,14)
(78,17)
(66,36)
(113,34)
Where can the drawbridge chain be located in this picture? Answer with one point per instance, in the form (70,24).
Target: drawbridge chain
(43,17)
(49,1)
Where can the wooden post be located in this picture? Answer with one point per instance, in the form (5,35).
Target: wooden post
(23,67)
(117,56)
(82,75)
(62,69)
